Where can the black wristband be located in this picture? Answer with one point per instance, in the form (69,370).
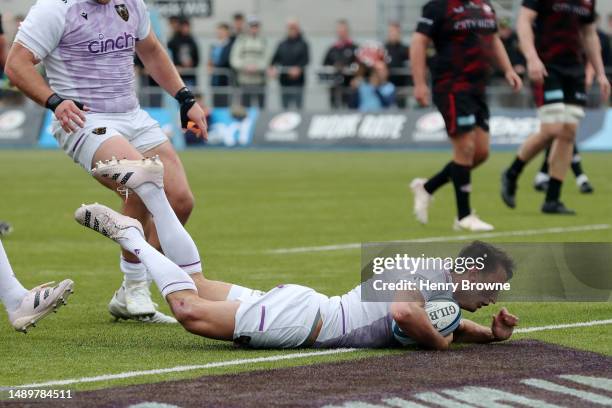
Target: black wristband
(53,102)
(184,95)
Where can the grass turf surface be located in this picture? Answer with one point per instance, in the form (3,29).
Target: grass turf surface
(247,203)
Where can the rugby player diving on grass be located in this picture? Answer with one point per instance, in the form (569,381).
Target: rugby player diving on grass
(88,50)
(290,316)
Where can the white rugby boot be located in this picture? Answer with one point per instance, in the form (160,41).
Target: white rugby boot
(38,303)
(132,173)
(472,223)
(118,308)
(422,200)
(105,221)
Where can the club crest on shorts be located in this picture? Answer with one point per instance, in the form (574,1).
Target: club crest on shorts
(123,12)
(99,131)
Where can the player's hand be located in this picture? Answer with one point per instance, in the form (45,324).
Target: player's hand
(421,94)
(515,81)
(604,87)
(197,115)
(70,116)
(503,324)
(536,70)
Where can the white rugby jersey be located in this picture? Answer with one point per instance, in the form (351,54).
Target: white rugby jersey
(350,322)
(88,49)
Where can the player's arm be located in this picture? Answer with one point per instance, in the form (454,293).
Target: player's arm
(21,70)
(502,59)
(159,66)
(418,64)
(592,48)
(501,329)
(409,313)
(524,28)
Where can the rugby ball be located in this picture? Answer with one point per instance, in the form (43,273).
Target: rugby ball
(444,314)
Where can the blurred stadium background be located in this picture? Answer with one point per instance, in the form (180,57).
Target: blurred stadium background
(368,21)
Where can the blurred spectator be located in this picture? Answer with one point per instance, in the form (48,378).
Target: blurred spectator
(511,43)
(238,28)
(341,57)
(398,55)
(175,24)
(219,66)
(185,53)
(249,58)
(372,90)
(291,58)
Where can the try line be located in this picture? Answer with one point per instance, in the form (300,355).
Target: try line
(280,357)
(500,234)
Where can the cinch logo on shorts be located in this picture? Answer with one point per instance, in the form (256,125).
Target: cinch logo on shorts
(102,46)
(466,120)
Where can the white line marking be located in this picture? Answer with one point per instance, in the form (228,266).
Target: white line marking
(292,356)
(563,326)
(356,245)
(583,395)
(130,374)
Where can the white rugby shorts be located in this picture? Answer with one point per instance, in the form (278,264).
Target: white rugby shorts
(140,129)
(283,317)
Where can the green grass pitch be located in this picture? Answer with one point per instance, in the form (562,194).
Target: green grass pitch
(247,203)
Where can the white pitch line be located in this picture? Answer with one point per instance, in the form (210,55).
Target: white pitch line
(178,369)
(356,245)
(130,374)
(563,326)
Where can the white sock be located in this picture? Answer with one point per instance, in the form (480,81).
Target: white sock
(581,179)
(11,291)
(167,275)
(133,271)
(175,241)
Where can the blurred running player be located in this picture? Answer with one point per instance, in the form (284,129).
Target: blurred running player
(88,50)
(555,35)
(26,307)
(464,34)
(540,182)
(291,316)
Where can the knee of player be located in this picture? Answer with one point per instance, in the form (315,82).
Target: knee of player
(184,312)
(481,156)
(466,150)
(183,204)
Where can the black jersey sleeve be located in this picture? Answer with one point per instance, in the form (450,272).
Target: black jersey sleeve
(1,30)
(431,18)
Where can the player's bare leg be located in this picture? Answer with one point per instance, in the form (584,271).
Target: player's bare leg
(481,147)
(559,163)
(465,146)
(214,319)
